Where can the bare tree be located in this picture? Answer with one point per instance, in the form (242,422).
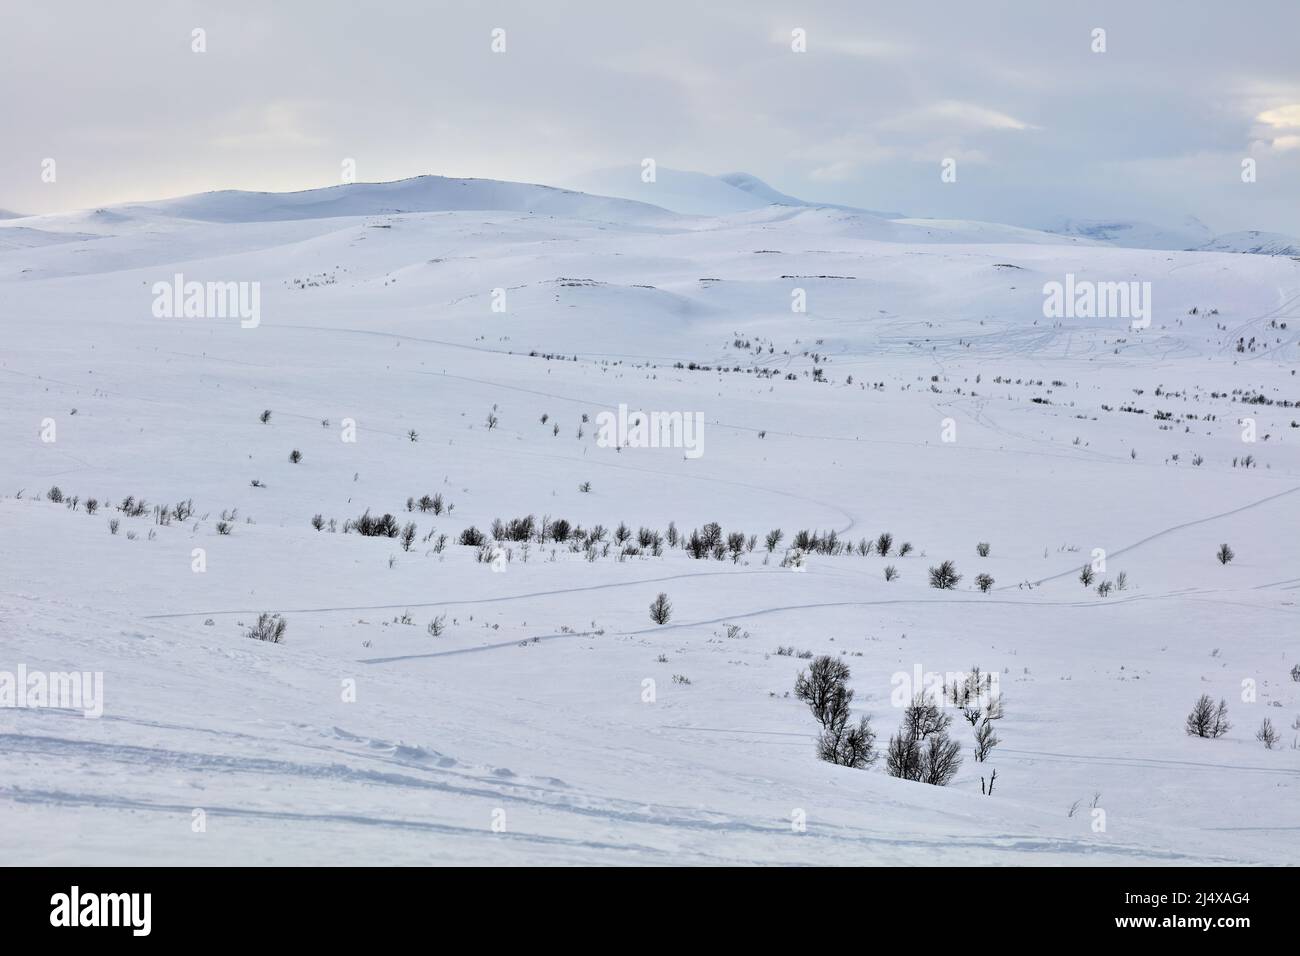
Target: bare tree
(848,745)
(985,741)
(945,576)
(269,628)
(661,609)
(1267,735)
(824,688)
(940,760)
(1207,720)
(922,750)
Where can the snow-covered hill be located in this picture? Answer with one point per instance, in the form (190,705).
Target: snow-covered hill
(1255,242)
(419,194)
(472,342)
(1132,234)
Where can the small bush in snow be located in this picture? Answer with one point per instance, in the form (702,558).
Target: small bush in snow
(1267,735)
(982,549)
(55,495)
(945,576)
(371,527)
(661,609)
(985,741)
(1225,554)
(983,582)
(824,688)
(1207,720)
(264,417)
(891,572)
(848,745)
(295,456)
(269,628)
(922,750)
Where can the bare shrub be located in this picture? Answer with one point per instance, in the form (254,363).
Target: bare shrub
(824,688)
(661,609)
(269,628)
(1267,735)
(1225,554)
(1207,720)
(371,527)
(848,745)
(945,576)
(984,582)
(922,750)
(985,741)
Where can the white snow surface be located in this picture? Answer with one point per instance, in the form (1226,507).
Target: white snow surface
(522,734)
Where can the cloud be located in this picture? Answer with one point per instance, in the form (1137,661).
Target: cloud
(954,116)
(1283,117)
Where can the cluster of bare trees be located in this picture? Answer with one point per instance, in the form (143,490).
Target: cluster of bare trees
(824,687)
(922,749)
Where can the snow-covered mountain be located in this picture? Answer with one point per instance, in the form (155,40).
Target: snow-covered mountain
(1254,242)
(417,194)
(1134,234)
(761,190)
(699,194)
(868,398)
(1190,235)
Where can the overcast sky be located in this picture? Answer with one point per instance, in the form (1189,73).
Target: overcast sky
(1154,128)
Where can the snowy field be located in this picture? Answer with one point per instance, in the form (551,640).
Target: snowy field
(922,393)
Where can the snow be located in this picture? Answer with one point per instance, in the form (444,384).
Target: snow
(529,710)
(1256,242)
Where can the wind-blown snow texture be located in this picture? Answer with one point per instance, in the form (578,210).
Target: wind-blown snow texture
(528,712)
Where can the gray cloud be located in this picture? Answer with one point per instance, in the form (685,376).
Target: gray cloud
(1156,127)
